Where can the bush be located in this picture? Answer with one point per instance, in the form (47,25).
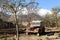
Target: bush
(14,39)
(47,38)
(5,38)
(39,39)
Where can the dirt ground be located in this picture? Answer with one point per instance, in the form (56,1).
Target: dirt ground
(42,37)
(45,36)
(35,37)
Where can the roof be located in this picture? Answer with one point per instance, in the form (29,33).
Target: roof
(36,21)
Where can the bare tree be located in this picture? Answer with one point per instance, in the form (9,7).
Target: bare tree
(55,11)
(13,8)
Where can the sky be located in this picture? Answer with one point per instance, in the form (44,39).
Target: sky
(48,4)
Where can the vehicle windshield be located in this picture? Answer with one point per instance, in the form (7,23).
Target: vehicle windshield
(35,24)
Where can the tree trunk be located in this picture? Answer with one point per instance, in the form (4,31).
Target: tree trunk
(17,33)
(16,22)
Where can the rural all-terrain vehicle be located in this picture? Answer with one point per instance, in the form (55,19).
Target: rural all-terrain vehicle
(35,26)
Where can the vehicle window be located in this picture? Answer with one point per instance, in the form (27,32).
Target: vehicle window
(35,24)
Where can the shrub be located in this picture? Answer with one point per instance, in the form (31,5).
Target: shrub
(14,39)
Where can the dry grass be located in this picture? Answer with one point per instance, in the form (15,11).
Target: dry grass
(33,37)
